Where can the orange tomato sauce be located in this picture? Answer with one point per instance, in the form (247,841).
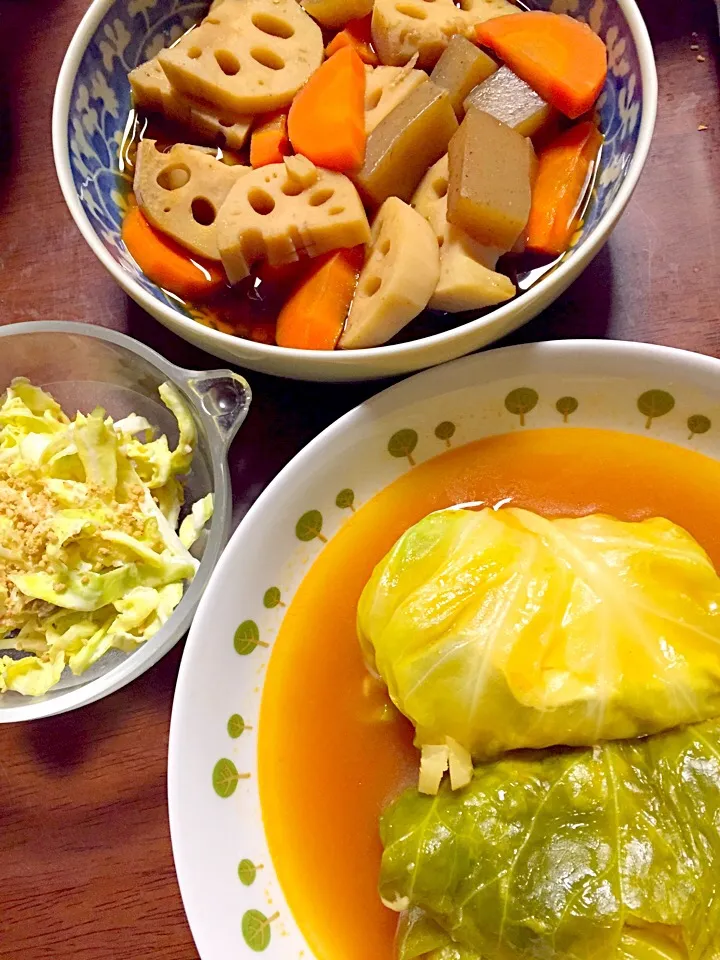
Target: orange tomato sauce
(328,762)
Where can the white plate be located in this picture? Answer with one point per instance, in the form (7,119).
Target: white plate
(213,834)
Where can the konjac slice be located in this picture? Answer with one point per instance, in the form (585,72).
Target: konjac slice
(491,172)
(249,56)
(564,172)
(408,141)
(314,314)
(561,58)
(326,122)
(278,215)
(181,191)
(512,101)
(398,278)
(461,68)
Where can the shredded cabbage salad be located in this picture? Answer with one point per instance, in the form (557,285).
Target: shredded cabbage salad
(93,555)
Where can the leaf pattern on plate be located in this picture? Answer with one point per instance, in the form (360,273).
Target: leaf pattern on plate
(236,726)
(247,638)
(566,406)
(247,872)
(272,598)
(225,778)
(698,423)
(655,403)
(309,527)
(256,929)
(521,401)
(445,431)
(345,499)
(402,444)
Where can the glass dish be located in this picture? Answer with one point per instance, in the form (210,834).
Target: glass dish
(84,367)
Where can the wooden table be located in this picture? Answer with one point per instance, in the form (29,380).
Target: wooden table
(86,868)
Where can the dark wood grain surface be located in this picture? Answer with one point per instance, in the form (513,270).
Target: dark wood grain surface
(86,868)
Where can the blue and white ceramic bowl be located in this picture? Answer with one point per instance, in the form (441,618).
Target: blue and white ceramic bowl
(91,110)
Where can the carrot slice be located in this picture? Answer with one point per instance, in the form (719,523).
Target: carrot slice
(560,58)
(166,263)
(327,117)
(269,142)
(314,315)
(565,167)
(357,34)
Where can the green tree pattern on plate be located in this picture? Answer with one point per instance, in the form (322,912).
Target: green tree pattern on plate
(402,444)
(225,778)
(247,872)
(655,403)
(256,929)
(698,424)
(247,638)
(236,726)
(346,499)
(566,406)
(445,431)
(521,401)
(309,527)
(272,598)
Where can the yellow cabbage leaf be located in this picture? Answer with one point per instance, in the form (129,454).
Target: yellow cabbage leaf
(503,629)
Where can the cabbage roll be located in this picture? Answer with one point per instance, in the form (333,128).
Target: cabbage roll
(505,630)
(604,852)
(648,943)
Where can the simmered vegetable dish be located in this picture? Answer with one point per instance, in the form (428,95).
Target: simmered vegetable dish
(318,174)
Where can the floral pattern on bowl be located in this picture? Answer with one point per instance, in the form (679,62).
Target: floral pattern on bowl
(230,888)
(132,31)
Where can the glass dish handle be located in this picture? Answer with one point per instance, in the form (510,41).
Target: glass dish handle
(225,397)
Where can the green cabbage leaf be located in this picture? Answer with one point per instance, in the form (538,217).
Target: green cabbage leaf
(420,938)
(506,630)
(565,854)
(648,943)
